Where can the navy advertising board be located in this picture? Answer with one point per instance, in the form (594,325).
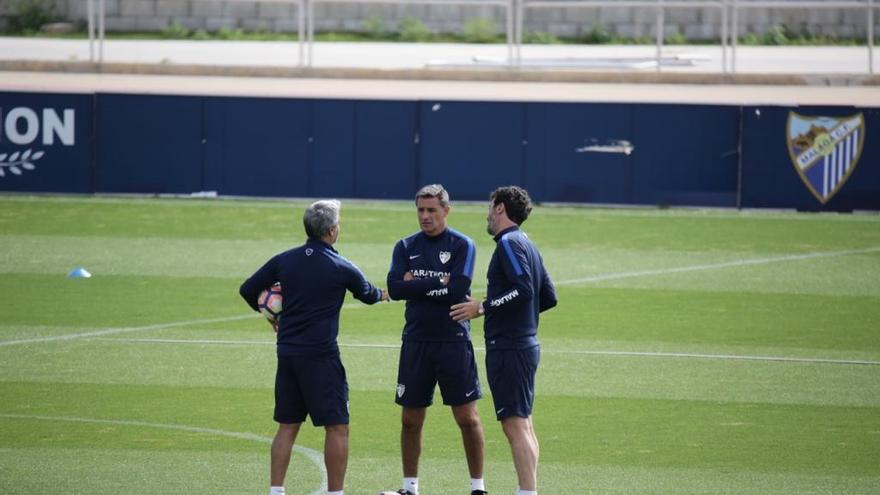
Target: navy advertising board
(45,143)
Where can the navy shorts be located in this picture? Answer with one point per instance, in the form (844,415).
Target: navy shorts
(424,364)
(314,386)
(511,374)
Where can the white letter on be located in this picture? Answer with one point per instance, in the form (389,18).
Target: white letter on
(53,125)
(33,125)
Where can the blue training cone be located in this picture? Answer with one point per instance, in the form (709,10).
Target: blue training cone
(79,272)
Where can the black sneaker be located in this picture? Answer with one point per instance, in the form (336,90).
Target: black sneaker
(398,492)
(479,492)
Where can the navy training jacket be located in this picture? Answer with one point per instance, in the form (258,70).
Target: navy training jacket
(314,278)
(427,299)
(519,289)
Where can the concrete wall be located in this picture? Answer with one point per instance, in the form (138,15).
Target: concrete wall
(280,16)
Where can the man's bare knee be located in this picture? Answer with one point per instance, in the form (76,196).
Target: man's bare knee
(467,417)
(412,419)
(515,427)
(337,430)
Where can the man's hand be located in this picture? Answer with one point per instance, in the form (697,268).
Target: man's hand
(408,276)
(384,297)
(273,324)
(444,279)
(467,310)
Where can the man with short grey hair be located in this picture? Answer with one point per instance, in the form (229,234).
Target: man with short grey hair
(310,379)
(320,217)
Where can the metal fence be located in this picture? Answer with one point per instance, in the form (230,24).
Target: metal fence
(515,12)
(867,5)
(659,7)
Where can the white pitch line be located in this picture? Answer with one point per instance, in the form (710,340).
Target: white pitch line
(236,342)
(314,456)
(544,350)
(111,331)
(732,357)
(145,328)
(591,279)
(716,266)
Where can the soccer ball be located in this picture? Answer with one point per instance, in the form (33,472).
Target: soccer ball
(269,302)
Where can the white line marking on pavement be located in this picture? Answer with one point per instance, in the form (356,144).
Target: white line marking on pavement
(715,266)
(543,350)
(316,457)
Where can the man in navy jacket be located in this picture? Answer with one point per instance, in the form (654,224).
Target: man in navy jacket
(310,379)
(519,289)
(432,269)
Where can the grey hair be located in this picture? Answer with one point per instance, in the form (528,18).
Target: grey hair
(320,217)
(434,191)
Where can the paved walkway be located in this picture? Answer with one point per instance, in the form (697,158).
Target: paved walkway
(866,96)
(381,70)
(693,59)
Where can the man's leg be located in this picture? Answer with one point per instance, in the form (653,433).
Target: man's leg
(468,420)
(524,447)
(336,455)
(412,420)
(280,452)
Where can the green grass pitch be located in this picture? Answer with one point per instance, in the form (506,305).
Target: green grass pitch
(692,351)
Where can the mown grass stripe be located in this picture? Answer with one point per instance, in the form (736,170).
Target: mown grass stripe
(315,457)
(544,350)
(716,266)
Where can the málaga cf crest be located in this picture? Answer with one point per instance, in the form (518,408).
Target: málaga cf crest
(825,150)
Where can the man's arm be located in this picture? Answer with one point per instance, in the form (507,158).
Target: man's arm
(513,261)
(518,272)
(401,286)
(261,279)
(362,289)
(548,292)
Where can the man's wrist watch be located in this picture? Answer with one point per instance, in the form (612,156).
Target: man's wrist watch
(480,310)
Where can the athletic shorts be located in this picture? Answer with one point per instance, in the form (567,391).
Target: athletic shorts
(424,364)
(511,374)
(313,386)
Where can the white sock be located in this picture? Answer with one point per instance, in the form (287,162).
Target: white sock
(276,490)
(478,484)
(526,492)
(411,484)
(335,493)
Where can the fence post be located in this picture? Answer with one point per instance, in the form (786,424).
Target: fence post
(300,30)
(102,13)
(660,26)
(90,12)
(520,25)
(871,36)
(510,40)
(310,16)
(734,35)
(724,36)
